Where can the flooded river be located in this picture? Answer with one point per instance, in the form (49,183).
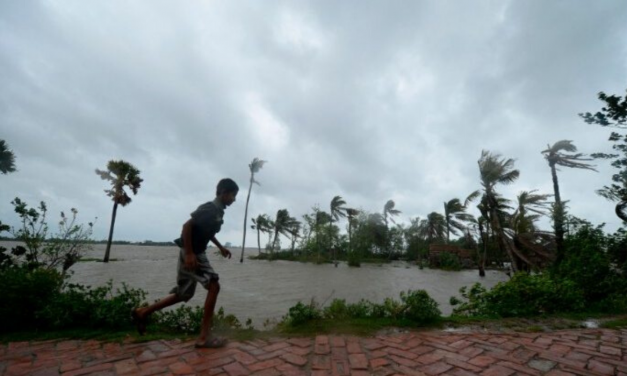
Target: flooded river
(263,290)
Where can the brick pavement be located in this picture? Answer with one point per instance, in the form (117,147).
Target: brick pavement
(571,352)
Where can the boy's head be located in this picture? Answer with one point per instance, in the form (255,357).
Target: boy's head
(226,191)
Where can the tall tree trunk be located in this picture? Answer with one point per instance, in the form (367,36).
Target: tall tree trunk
(317,244)
(484,254)
(559,218)
(331,242)
(448,225)
(250,188)
(350,238)
(498,230)
(258,239)
(276,235)
(115,210)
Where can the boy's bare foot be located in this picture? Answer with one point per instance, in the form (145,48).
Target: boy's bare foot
(139,321)
(211,343)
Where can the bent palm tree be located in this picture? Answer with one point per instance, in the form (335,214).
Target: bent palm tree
(254,167)
(556,155)
(321,219)
(7,158)
(282,224)
(261,224)
(493,170)
(121,174)
(337,211)
(388,213)
(530,207)
(351,213)
(433,228)
(455,214)
(294,231)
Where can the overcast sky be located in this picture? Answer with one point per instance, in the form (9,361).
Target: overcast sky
(368,100)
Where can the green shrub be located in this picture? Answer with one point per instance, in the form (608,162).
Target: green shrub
(588,262)
(419,307)
(522,296)
(337,310)
(475,301)
(301,314)
(361,310)
(449,261)
(188,319)
(81,306)
(532,295)
(416,306)
(26,292)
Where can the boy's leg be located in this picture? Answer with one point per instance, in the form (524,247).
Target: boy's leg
(169,300)
(184,290)
(210,304)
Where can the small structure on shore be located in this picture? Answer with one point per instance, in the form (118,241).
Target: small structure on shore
(465,256)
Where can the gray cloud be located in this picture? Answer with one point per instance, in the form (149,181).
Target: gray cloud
(370,101)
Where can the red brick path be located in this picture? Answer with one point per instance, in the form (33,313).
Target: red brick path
(572,352)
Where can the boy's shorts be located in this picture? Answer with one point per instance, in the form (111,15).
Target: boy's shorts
(186,280)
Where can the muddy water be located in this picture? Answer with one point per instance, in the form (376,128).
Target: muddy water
(263,290)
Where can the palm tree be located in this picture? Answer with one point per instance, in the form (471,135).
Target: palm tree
(321,219)
(530,207)
(433,228)
(558,155)
(254,167)
(121,174)
(262,224)
(455,214)
(282,224)
(389,212)
(482,254)
(495,170)
(337,211)
(7,158)
(351,213)
(294,231)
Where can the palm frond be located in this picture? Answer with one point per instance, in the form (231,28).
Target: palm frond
(256,165)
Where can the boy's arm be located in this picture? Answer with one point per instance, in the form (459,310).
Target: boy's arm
(225,252)
(190,258)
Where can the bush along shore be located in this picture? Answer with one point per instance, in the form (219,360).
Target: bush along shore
(590,279)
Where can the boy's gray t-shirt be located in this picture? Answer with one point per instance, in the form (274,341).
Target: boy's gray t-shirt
(206,222)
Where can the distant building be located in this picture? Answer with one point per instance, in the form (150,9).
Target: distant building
(465,255)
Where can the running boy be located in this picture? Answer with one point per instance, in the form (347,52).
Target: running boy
(193,264)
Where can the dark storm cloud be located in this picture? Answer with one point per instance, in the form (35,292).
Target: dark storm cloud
(368,100)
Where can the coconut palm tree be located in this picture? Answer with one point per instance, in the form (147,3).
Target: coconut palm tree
(7,158)
(282,224)
(262,224)
(530,207)
(337,211)
(389,213)
(321,219)
(351,213)
(562,153)
(493,170)
(433,227)
(121,174)
(254,167)
(455,214)
(294,231)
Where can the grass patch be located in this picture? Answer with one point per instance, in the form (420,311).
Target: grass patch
(619,323)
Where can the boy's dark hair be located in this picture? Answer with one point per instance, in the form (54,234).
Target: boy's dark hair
(226,186)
